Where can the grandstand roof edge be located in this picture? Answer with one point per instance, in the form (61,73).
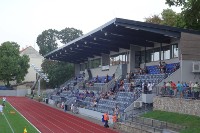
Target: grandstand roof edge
(85,35)
(142,26)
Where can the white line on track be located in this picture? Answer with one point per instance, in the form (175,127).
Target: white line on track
(8,122)
(25,118)
(34,119)
(58,116)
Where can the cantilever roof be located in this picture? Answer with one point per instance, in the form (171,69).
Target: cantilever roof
(115,34)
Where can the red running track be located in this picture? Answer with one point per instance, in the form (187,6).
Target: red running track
(51,120)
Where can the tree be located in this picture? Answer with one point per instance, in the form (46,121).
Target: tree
(155,19)
(13,67)
(47,41)
(58,72)
(168,17)
(190,12)
(68,34)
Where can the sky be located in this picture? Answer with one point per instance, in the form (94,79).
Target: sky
(22,21)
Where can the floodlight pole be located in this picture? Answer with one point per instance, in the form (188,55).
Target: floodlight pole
(39,87)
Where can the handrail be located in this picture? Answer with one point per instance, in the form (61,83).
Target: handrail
(111,83)
(65,83)
(156,123)
(141,125)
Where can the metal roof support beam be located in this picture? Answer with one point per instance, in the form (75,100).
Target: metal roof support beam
(154,30)
(138,34)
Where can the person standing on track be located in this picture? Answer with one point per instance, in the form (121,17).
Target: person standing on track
(1,109)
(4,101)
(106,118)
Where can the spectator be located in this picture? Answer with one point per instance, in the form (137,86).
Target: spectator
(121,88)
(145,88)
(116,111)
(106,119)
(186,91)
(180,89)
(164,67)
(83,74)
(146,71)
(113,76)
(163,89)
(196,90)
(107,78)
(127,76)
(97,79)
(169,89)
(191,84)
(140,71)
(150,87)
(114,117)
(94,103)
(173,86)
(131,87)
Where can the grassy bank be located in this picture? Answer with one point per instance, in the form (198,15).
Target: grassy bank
(191,122)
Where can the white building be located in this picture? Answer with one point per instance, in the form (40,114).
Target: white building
(35,58)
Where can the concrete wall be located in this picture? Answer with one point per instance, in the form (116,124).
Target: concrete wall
(191,107)
(99,72)
(189,46)
(93,114)
(18,92)
(175,77)
(186,70)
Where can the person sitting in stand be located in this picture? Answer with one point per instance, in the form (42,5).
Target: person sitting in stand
(146,71)
(97,79)
(107,78)
(140,71)
(131,87)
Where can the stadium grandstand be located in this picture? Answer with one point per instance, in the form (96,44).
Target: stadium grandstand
(120,66)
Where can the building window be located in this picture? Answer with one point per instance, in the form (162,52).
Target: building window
(174,50)
(95,63)
(121,58)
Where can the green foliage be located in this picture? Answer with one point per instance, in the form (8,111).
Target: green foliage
(175,2)
(13,66)
(58,72)
(68,34)
(190,12)
(155,19)
(168,17)
(191,122)
(47,41)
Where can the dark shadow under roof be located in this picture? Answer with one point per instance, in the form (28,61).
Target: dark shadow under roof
(115,34)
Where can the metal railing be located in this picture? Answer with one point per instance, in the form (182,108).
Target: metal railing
(144,128)
(156,123)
